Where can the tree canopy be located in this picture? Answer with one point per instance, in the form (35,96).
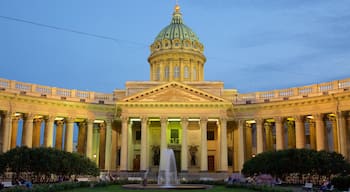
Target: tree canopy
(46,161)
(301,161)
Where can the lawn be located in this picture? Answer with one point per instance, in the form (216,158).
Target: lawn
(114,188)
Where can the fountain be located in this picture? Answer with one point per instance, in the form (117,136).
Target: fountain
(167,169)
(167,176)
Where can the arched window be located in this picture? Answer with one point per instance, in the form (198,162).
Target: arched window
(186,75)
(166,73)
(158,73)
(194,76)
(176,72)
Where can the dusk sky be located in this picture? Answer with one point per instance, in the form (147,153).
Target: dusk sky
(250,45)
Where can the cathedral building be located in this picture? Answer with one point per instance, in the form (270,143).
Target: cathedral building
(210,128)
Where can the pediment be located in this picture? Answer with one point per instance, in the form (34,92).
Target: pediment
(173,92)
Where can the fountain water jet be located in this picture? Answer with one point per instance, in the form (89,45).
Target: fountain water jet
(167,169)
(167,176)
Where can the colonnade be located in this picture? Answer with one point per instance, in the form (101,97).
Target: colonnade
(63,127)
(321,131)
(164,121)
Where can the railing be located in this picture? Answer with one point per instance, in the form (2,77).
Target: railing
(294,93)
(55,93)
(104,98)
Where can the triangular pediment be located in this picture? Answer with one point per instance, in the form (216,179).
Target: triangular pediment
(173,92)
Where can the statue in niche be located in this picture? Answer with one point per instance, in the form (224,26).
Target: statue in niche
(156,154)
(193,150)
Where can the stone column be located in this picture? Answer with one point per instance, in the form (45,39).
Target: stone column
(90,126)
(27,135)
(124,145)
(342,134)
(248,136)
(102,146)
(144,143)
(312,129)
(14,130)
(320,132)
(241,151)
(108,145)
(163,141)
(59,134)
(259,136)
(291,134)
(81,148)
(184,147)
(268,136)
(68,140)
(48,133)
(6,128)
(36,132)
(279,133)
(223,145)
(300,132)
(204,145)
(333,120)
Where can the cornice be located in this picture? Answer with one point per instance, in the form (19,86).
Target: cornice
(57,103)
(308,101)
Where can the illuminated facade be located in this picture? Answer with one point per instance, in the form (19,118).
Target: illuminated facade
(211,129)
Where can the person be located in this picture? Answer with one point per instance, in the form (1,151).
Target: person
(325,186)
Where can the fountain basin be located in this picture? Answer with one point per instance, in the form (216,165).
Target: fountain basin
(167,187)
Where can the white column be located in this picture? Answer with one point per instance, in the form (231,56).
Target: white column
(48,133)
(204,145)
(144,162)
(163,142)
(300,132)
(68,140)
(259,136)
(27,135)
(223,144)
(6,128)
(279,133)
(90,125)
(108,146)
(124,147)
(241,152)
(184,147)
(341,123)
(320,132)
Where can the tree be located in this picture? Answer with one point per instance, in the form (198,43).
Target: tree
(300,161)
(43,162)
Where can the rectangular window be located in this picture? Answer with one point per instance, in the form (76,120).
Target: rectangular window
(210,135)
(174,136)
(138,135)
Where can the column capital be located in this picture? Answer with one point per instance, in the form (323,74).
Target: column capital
(163,119)
(108,120)
(259,120)
(70,119)
(204,119)
(124,118)
(90,121)
(144,119)
(49,118)
(298,118)
(318,116)
(278,119)
(184,121)
(28,116)
(223,119)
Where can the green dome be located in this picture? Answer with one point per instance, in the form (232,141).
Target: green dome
(176,29)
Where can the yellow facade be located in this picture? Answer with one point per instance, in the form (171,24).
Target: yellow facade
(210,128)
